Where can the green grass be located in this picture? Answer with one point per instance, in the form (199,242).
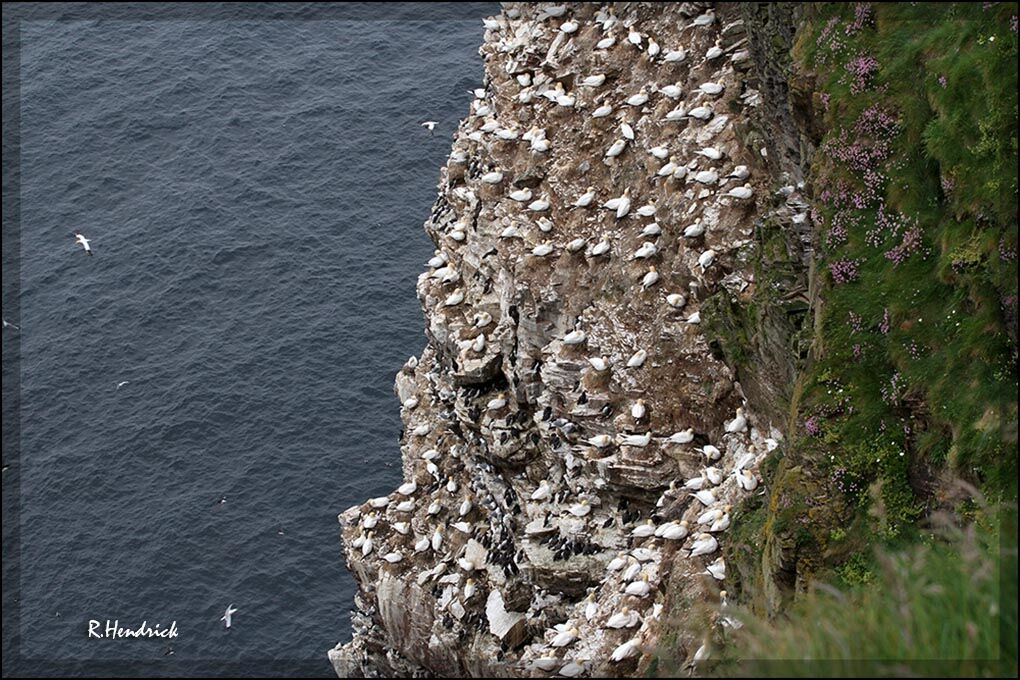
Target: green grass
(946,607)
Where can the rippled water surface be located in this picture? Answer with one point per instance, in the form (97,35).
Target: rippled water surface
(254,191)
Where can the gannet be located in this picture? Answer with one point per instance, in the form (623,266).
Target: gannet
(643,530)
(469,588)
(704,545)
(580,509)
(84,242)
(650,278)
(676,300)
(366,547)
(659,152)
(705,497)
(673,531)
(672,91)
(631,572)
(638,99)
(617,148)
(599,363)
(637,410)
(746,480)
(705,19)
(437,539)
(600,441)
(521,195)
(228,615)
(496,403)
(738,424)
(740,172)
(714,52)
(575,337)
(455,298)
(602,111)
(638,440)
(634,38)
(695,230)
(741,192)
(668,168)
(653,48)
(555,10)
(594,81)
(675,56)
(711,88)
(711,452)
(577,245)
(585,199)
(626,650)
(539,205)
(393,557)
(647,210)
(717,569)
(618,562)
(637,359)
(646,250)
(605,43)
(569,26)
(405,506)
(713,475)
(710,152)
(706,259)
(682,437)
(465,506)
(542,249)
(706,176)
(494,177)
(700,112)
(623,207)
(652,229)
(639,588)
(625,618)
(408,488)
(430,124)
(626,130)
(679,113)
(600,248)
(379,502)
(542,492)
(565,637)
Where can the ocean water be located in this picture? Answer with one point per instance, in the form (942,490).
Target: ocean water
(254,189)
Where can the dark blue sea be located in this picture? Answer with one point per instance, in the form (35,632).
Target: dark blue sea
(254,183)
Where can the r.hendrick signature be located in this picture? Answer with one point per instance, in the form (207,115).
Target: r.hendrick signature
(113,630)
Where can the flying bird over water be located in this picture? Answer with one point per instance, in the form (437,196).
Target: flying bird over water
(80,238)
(227,615)
(431,125)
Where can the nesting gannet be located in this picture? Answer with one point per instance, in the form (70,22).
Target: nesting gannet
(469,588)
(721,523)
(575,337)
(494,177)
(585,199)
(462,527)
(676,300)
(650,278)
(430,124)
(600,441)
(644,530)
(407,488)
(539,205)
(646,250)
(437,539)
(740,172)
(422,544)
(638,99)
(393,557)
(84,242)
(605,43)
(713,474)
(705,497)
(705,19)
(695,230)
(631,572)
(577,245)
(634,38)
(627,131)
(711,453)
(652,229)
(673,531)
(599,363)
(638,410)
(682,437)
(616,148)
(496,403)
(580,509)
(672,91)
(594,81)
(714,52)
(668,168)
(638,440)
(600,248)
(743,192)
(706,259)
(653,48)
(554,10)
(675,56)
(710,152)
(746,480)
(455,298)
(637,359)
(706,544)
(379,502)
(602,111)
(521,195)
(569,26)
(565,637)
(545,663)
(711,88)
(542,492)
(717,569)
(625,618)
(618,562)
(367,546)
(706,176)
(679,113)
(639,588)
(542,249)
(623,207)
(466,564)
(700,112)
(738,424)
(646,210)
(659,152)
(228,615)
(626,650)
(405,506)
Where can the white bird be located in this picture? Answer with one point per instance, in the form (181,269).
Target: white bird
(647,210)
(430,124)
(84,242)
(422,544)
(637,410)
(682,437)
(705,19)
(626,650)
(600,441)
(625,618)
(228,615)
(631,572)
(565,637)
(637,359)
(638,99)
(8,323)
(405,506)
(675,56)
(644,530)
(545,663)
(393,557)
(539,205)
(599,363)
(465,506)
(650,278)
(494,177)
(576,245)
(646,250)
(542,492)
(638,588)
(455,298)
(617,148)
(668,168)
(437,540)
(679,113)
(706,176)
(575,337)
(366,547)
(746,480)
(717,569)
(569,26)
(738,424)
(700,112)
(652,229)
(705,497)
(618,562)
(743,192)
(714,52)
(602,111)
(713,475)
(469,588)
(672,91)
(706,544)
(521,195)
(407,488)
(638,440)
(580,509)
(706,259)
(496,403)
(653,48)
(710,152)
(740,172)
(600,248)
(120,384)
(542,249)
(627,131)
(676,300)
(594,81)
(674,531)
(711,453)
(659,152)
(605,43)
(695,230)
(585,199)
(623,207)
(634,38)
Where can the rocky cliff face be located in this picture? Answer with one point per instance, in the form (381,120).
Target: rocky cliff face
(573,445)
